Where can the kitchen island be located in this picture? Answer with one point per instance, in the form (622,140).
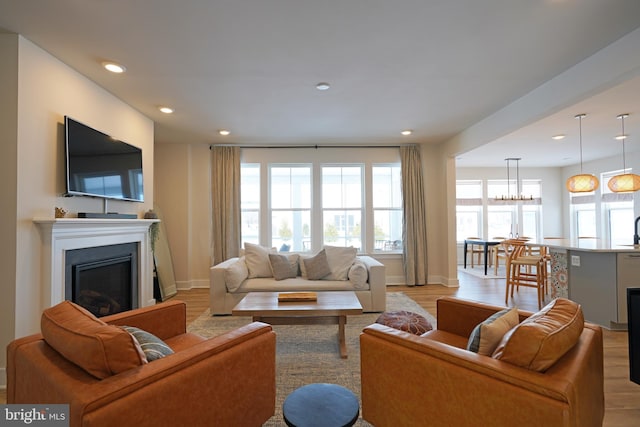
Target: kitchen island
(595,275)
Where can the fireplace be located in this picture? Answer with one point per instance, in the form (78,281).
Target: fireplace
(103,279)
(61,236)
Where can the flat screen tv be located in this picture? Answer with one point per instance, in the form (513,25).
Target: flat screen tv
(98,165)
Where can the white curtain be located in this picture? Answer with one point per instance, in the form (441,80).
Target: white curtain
(225,200)
(414,219)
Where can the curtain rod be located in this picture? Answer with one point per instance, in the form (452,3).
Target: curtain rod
(310,146)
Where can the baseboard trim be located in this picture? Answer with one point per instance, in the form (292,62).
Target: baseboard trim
(193,284)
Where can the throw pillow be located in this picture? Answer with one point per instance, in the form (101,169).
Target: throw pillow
(317,266)
(302,267)
(101,350)
(283,267)
(235,274)
(486,336)
(544,337)
(257,259)
(358,275)
(340,259)
(152,346)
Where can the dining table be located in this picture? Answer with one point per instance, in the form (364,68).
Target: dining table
(486,244)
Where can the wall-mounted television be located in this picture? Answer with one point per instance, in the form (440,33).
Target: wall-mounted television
(98,165)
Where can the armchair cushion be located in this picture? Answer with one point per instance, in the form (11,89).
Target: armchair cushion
(544,337)
(152,346)
(101,350)
(487,335)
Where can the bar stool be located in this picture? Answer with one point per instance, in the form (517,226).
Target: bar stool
(526,270)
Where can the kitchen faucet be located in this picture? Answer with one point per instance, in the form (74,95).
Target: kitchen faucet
(636,237)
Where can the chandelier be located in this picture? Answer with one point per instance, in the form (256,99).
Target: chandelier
(517,195)
(583,182)
(625,182)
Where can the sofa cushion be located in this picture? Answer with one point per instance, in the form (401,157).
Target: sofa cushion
(100,349)
(283,266)
(358,275)
(235,274)
(257,259)
(152,346)
(317,266)
(544,337)
(340,259)
(486,336)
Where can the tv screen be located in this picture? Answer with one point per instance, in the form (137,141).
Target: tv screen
(101,166)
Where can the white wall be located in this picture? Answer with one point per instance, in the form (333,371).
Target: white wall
(183,197)
(47,90)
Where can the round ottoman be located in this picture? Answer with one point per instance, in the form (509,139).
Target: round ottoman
(321,405)
(405,321)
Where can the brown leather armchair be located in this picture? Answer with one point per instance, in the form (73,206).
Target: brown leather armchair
(411,380)
(227,380)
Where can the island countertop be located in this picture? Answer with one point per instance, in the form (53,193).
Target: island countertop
(585,244)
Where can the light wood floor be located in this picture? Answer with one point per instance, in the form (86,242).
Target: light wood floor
(622,397)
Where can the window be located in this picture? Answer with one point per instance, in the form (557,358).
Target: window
(250,203)
(583,214)
(508,218)
(290,195)
(301,199)
(342,205)
(387,207)
(617,209)
(468,209)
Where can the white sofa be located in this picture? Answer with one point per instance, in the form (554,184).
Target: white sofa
(372,296)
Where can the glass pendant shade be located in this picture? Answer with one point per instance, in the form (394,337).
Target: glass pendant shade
(583,183)
(625,182)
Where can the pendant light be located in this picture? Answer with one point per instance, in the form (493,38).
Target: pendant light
(517,196)
(583,182)
(625,182)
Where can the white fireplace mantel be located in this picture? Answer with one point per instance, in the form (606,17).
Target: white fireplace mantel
(62,234)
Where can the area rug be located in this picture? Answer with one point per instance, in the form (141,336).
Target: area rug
(309,353)
(478,271)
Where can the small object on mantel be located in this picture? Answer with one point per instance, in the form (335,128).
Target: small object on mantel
(60,212)
(297,296)
(150,214)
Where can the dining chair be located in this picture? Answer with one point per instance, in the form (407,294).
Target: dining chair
(475,249)
(497,253)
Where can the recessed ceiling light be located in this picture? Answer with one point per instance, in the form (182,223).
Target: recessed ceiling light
(323,86)
(224,132)
(166,110)
(558,137)
(620,137)
(113,67)
(407,132)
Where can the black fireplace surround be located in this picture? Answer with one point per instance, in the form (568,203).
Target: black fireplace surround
(103,279)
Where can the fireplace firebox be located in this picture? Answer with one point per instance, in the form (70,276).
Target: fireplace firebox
(103,279)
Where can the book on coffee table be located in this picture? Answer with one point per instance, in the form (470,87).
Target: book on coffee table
(297,296)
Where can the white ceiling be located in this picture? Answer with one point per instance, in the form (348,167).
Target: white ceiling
(251,66)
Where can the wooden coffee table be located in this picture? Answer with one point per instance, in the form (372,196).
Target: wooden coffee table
(330,308)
